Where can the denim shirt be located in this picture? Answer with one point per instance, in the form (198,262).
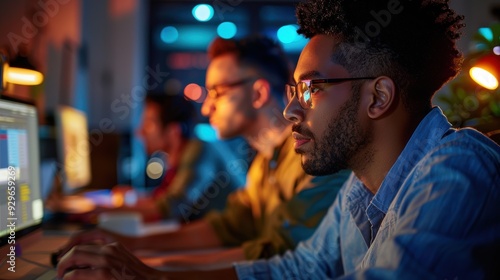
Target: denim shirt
(435,216)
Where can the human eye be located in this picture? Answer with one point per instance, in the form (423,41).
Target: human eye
(313,89)
(212,93)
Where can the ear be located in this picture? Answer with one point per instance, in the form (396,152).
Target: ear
(383,95)
(262,93)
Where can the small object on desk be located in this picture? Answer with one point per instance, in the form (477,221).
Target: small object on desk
(131,224)
(54,258)
(75,204)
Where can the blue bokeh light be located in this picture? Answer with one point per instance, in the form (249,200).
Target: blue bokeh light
(169,34)
(205,132)
(487,33)
(227,30)
(203,12)
(288,33)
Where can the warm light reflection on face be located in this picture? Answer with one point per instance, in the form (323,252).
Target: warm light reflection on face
(329,133)
(232,113)
(151,130)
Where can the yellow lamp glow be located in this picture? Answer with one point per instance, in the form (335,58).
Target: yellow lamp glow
(484,78)
(3,69)
(486,72)
(22,76)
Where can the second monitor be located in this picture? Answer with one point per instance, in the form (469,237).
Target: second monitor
(74,151)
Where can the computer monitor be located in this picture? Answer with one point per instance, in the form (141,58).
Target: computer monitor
(21,205)
(73,149)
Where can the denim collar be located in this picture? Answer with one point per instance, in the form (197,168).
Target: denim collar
(430,131)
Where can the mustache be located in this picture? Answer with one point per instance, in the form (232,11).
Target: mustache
(303,131)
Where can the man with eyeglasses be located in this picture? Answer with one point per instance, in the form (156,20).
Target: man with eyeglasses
(280,205)
(423,201)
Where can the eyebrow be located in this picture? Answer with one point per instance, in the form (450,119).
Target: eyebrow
(309,75)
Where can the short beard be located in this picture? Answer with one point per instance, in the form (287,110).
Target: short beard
(343,139)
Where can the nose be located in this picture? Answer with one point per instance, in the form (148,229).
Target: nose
(293,111)
(208,106)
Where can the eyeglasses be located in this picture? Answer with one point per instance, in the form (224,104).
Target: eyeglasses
(305,89)
(215,92)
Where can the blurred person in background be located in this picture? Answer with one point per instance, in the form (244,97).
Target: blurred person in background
(197,175)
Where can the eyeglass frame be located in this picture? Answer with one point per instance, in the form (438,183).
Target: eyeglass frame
(228,86)
(291,90)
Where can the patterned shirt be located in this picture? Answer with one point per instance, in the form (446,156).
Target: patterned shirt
(207,173)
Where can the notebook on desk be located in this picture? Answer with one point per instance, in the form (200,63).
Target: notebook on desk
(21,209)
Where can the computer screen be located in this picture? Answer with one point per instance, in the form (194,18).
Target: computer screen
(74,152)
(21,206)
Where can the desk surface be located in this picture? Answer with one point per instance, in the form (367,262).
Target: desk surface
(156,259)
(34,259)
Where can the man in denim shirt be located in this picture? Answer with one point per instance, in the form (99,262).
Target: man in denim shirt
(423,201)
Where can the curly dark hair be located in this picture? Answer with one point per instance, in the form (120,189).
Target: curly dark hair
(259,53)
(411,41)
